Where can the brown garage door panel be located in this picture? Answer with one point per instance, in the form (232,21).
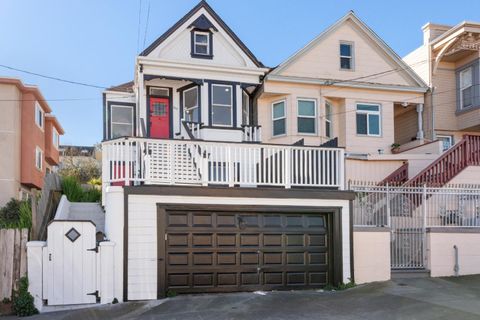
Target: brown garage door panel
(229,251)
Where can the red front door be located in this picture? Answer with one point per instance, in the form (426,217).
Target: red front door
(159,118)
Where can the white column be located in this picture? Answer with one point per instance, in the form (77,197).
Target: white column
(107,272)
(35,271)
(114,222)
(141,103)
(420,134)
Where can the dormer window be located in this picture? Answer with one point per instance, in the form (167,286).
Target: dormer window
(202,38)
(201,42)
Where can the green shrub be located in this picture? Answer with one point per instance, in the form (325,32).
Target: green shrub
(92,195)
(22,300)
(72,189)
(16,214)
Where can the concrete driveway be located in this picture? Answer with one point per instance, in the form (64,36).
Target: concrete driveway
(426,298)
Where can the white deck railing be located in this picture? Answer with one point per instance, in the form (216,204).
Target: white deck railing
(131,161)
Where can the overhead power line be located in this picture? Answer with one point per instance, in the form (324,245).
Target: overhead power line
(53,78)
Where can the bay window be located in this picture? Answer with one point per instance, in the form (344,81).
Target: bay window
(222,105)
(279,118)
(368,119)
(190,105)
(306,116)
(245,108)
(121,121)
(39,115)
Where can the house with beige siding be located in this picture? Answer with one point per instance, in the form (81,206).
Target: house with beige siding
(448,61)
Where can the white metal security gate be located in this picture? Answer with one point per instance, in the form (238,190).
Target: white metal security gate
(410,210)
(69,260)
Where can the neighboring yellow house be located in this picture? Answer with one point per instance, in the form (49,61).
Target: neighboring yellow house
(452,107)
(349,84)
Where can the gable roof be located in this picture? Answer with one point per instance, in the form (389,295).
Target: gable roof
(369,32)
(203,4)
(124,87)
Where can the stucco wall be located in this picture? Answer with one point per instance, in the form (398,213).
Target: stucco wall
(371,254)
(10,135)
(441,254)
(370,170)
(469,175)
(32,136)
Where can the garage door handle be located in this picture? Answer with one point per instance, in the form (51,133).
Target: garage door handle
(160,259)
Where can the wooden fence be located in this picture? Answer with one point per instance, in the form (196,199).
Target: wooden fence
(13,259)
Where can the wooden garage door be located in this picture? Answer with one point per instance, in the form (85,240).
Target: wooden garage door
(231,251)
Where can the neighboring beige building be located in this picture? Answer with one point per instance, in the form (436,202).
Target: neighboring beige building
(448,61)
(29,137)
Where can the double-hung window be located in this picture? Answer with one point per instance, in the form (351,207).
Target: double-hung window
(306,116)
(466,88)
(368,119)
(121,121)
(245,108)
(56,138)
(346,56)
(201,43)
(222,105)
(190,105)
(38,158)
(39,115)
(279,118)
(328,119)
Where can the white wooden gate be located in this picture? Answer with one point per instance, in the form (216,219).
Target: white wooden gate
(69,261)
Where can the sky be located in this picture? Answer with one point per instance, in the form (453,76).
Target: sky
(96,41)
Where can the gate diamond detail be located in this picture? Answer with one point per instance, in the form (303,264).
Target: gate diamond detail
(72,234)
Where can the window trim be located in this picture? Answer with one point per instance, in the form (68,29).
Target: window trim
(56,138)
(246,97)
(351,57)
(193,43)
(232,105)
(309,117)
(38,108)
(38,152)
(462,88)
(184,109)
(279,118)
(112,104)
(379,113)
(328,119)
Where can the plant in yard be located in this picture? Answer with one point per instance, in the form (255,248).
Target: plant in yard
(22,301)
(95,182)
(72,189)
(92,195)
(16,214)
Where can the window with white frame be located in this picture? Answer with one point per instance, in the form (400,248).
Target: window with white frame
(190,105)
(346,55)
(279,118)
(328,119)
(466,88)
(447,141)
(245,108)
(368,119)
(201,43)
(38,158)
(222,105)
(39,115)
(121,121)
(56,138)
(307,116)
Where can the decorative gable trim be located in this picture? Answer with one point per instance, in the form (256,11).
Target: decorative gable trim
(369,32)
(203,4)
(202,23)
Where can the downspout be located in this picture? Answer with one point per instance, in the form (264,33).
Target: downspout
(434,135)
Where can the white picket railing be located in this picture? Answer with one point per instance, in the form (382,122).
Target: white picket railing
(131,161)
(252,133)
